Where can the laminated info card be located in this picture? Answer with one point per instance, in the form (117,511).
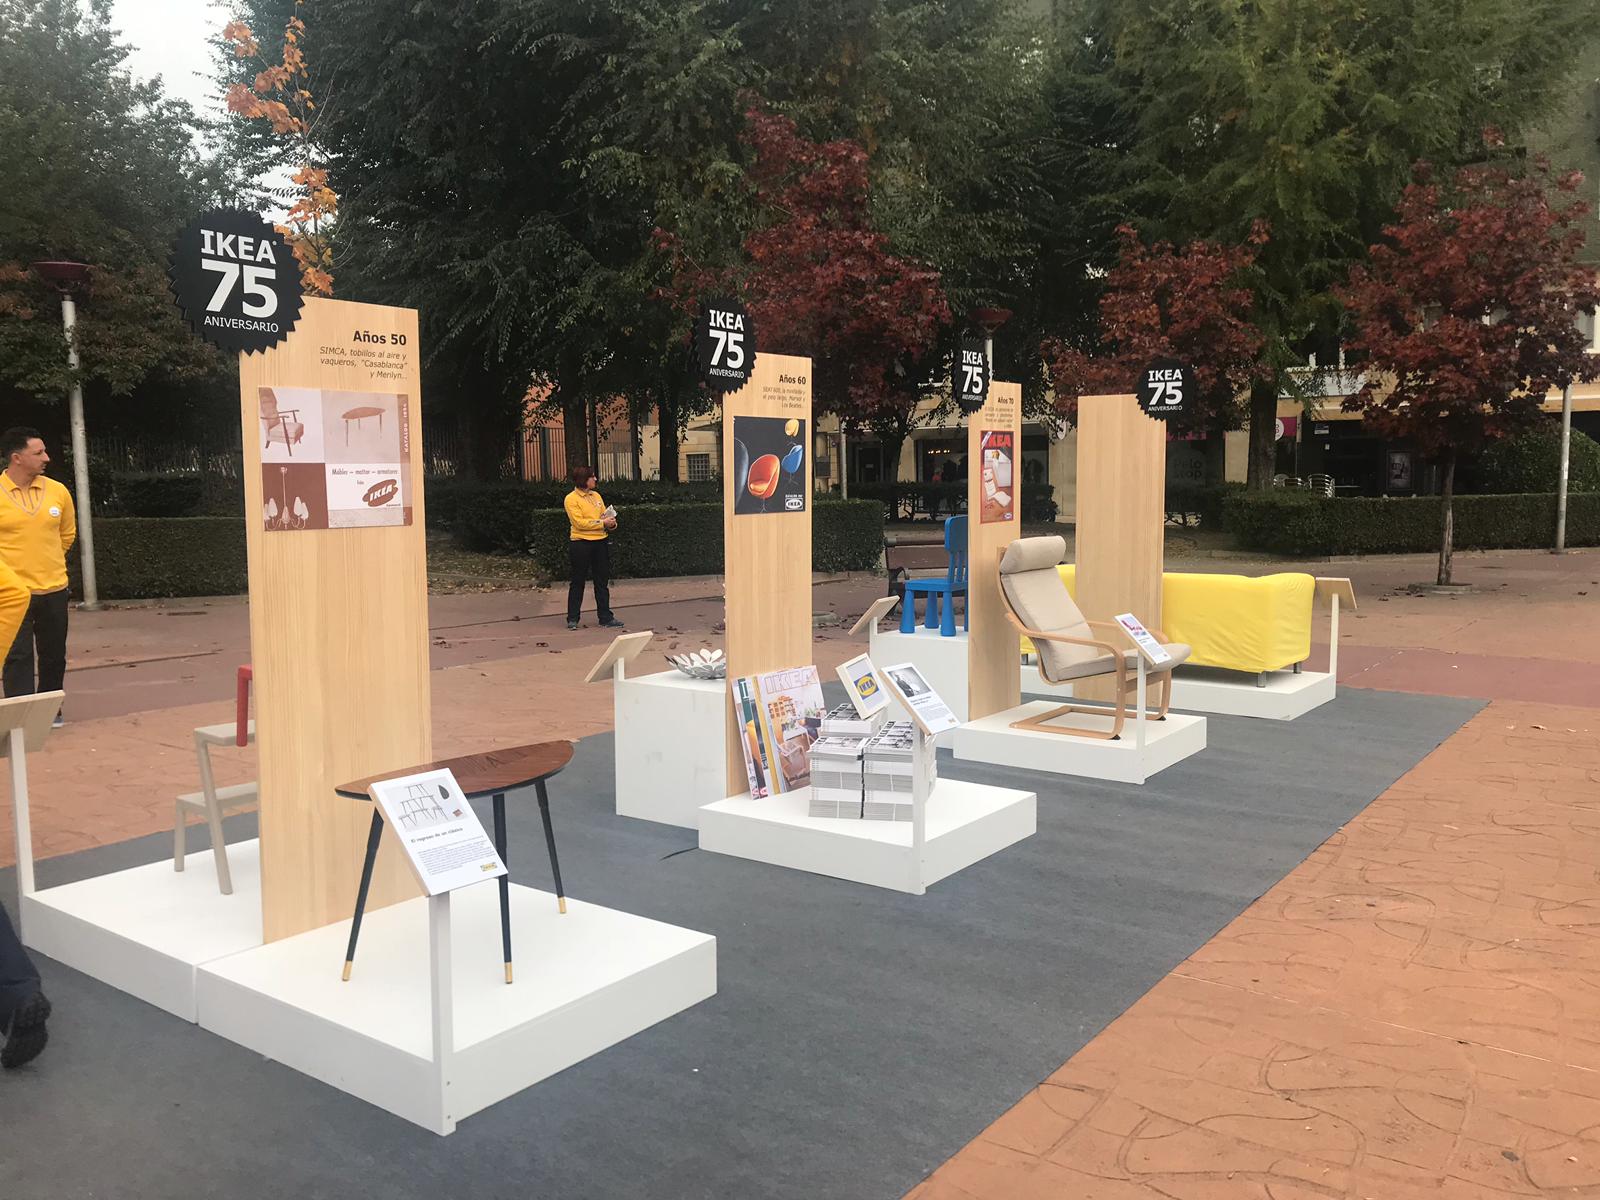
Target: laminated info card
(441,834)
(917,694)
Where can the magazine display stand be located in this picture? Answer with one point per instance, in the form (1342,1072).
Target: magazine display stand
(1122,457)
(339,642)
(769,629)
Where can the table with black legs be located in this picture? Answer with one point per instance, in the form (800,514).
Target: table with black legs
(493,773)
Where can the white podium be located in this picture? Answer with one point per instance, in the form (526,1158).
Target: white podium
(671,746)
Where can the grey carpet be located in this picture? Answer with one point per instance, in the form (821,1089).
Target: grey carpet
(859,1037)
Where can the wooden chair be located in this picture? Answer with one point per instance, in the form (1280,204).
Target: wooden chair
(941,593)
(211,802)
(1039,606)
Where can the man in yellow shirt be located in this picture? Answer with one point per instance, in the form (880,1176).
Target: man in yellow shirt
(37,527)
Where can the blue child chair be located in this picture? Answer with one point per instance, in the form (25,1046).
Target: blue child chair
(955,580)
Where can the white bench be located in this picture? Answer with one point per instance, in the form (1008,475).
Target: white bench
(211,802)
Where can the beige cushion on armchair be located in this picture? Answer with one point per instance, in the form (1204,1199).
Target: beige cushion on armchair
(1039,597)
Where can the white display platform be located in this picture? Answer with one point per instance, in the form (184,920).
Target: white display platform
(942,661)
(1228,693)
(145,930)
(992,740)
(966,822)
(585,980)
(1225,693)
(671,745)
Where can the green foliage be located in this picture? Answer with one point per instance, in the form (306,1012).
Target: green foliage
(136,557)
(1531,462)
(99,168)
(1298,523)
(158,494)
(494,516)
(911,501)
(1199,504)
(686,539)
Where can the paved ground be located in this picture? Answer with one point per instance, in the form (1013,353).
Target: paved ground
(1409,1012)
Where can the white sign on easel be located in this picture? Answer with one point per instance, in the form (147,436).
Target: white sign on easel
(441,835)
(1154,653)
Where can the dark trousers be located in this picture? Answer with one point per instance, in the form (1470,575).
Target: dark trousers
(590,560)
(18,978)
(44,626)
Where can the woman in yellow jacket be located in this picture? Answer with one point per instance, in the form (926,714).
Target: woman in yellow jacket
(590,549)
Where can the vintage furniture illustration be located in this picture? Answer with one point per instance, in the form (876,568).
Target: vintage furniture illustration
(283,424)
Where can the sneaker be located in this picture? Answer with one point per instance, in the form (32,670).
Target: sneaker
(572,624)
(58,722)
(27,1035)
(612,623)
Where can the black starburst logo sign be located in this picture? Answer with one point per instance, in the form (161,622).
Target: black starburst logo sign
(236,280)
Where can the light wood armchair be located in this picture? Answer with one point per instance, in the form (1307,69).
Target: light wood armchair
(1040,608)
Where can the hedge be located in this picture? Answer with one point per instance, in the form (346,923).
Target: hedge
(1531,462)
(1299,523)
(446,498)
(686,539)
(1037,499)
(1200,502)
(139,557)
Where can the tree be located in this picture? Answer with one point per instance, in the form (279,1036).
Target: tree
(1306,114)
(101,168)
(280,95)
(1193,305)
(820,280)
(1467,313)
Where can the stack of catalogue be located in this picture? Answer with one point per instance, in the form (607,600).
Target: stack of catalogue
(863,769)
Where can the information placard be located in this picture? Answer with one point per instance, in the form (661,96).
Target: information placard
(441,835)
(1154,653)
(860,679)
(924,704)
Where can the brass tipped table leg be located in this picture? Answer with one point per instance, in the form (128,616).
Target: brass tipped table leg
(505,880)
(374,835)
(550,840)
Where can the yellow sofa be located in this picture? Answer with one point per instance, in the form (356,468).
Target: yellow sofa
(1240,622)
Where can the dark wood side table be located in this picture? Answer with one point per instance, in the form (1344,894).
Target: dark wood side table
(493,773)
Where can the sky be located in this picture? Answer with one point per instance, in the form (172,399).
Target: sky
(171,38)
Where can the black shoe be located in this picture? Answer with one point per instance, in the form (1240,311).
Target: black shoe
(572,624)
(27,1035)
(612,623)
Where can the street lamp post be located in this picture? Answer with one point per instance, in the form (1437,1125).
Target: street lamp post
(69,278)
(989,320)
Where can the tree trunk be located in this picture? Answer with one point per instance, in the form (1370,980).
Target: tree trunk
(633,441)
(1263,426)
(573,434)
(667,431)
(594,434)
(1448,530)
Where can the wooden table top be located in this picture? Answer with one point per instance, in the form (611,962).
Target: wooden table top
(484,774)
(357,414)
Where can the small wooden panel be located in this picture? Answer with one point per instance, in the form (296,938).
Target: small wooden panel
(338,627)
(994,670)
(1327,587)
(1122,471)
(32,714)
(876,611)
(482,774)
(624,648)
(767,576)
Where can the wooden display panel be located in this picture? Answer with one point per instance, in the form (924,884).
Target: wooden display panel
(767,572)
(338,630)
(994,675)
(1122,471)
